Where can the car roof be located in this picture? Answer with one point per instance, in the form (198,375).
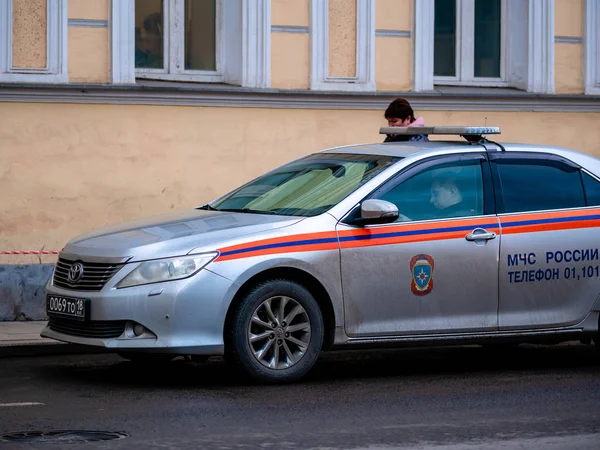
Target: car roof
(413,148)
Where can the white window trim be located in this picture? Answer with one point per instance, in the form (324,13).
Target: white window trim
(539,48)
(592,47)
(243,58)
(56,70)
(465,49)
(174,47)
(365,49)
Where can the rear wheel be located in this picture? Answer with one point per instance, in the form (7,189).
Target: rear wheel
(277,332)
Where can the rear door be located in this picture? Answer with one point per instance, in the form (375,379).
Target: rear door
(549,257)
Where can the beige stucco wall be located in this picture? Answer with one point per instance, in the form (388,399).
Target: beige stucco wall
(290,12)
(568,57)
(393,63)
(568,68)
(29,34)
(290,60)
(74,167)
(89,9)
(568,18)
(290,52)
(88,50)
(393,14)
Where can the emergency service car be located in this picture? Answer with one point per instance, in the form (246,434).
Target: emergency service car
(458,241)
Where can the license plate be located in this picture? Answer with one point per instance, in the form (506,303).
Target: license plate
(75,308)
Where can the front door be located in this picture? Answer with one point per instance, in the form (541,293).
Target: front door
(435,270)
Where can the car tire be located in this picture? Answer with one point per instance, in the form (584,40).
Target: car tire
(146,358)
(277,331)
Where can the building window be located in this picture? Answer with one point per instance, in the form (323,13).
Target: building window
(468,42)
(592,47)
(484,43)
(192,40)
(22,65)
(178,39)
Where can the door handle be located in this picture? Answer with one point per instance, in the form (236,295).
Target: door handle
(479,234)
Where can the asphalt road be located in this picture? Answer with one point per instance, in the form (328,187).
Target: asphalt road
(442,399)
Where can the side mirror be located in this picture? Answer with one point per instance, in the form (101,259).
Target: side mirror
(377,212)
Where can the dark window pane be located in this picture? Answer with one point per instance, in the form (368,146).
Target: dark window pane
(444,51)
(487,38)
(440,192)
(200,42)
(529,186)
(592,190)
(149,37)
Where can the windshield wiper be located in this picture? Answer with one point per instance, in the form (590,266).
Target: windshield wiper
(207,207)
(247,210)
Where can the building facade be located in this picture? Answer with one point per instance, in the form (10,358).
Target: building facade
(115,109)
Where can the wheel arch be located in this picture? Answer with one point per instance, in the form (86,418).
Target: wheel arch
(310,282)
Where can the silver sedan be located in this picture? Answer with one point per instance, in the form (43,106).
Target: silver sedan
(401,243)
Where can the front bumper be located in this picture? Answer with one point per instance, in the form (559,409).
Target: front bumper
(179,317)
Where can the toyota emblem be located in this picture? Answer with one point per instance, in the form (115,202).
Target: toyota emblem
(75,272)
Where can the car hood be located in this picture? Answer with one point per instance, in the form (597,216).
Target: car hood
(171,234)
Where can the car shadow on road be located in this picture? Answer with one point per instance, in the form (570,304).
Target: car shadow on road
(335,367)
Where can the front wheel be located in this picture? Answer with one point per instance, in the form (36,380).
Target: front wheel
(277,332)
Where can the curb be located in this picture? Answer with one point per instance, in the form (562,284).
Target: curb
(49,348)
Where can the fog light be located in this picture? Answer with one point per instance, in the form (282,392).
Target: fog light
(138,329)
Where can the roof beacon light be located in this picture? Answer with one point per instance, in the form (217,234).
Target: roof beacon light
(454,131)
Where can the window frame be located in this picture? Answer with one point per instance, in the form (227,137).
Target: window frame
(592,47)
(529,41)
(56,70)
(174,47)
(245,55)
(465,49)
(529,157)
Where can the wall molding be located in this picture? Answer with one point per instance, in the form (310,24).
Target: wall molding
(289,29)
(56,70)
(541,46)
(88,23)
(256,52)
(423,18)
(393,33)
(474,99)
(567,40)
(592,48)
(122,41)
(365,49)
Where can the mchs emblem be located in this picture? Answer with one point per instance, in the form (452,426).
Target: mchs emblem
(421,269)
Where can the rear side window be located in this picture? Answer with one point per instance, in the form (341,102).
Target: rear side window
(534,185)
(592,189)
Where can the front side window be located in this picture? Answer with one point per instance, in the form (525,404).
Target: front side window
(443,191)
(468,41)
(307,187)
(177,39)
(530,185)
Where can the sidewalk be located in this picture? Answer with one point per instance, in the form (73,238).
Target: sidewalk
(22,338)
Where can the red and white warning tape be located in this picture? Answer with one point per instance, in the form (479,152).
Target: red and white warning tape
(26,252)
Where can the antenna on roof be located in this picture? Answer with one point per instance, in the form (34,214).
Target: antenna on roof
(471,134)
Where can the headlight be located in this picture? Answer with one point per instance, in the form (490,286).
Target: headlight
(166,269)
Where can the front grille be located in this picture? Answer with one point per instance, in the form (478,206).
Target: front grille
(95,275)
(100,329)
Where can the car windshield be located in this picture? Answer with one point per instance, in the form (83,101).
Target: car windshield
(305,187)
